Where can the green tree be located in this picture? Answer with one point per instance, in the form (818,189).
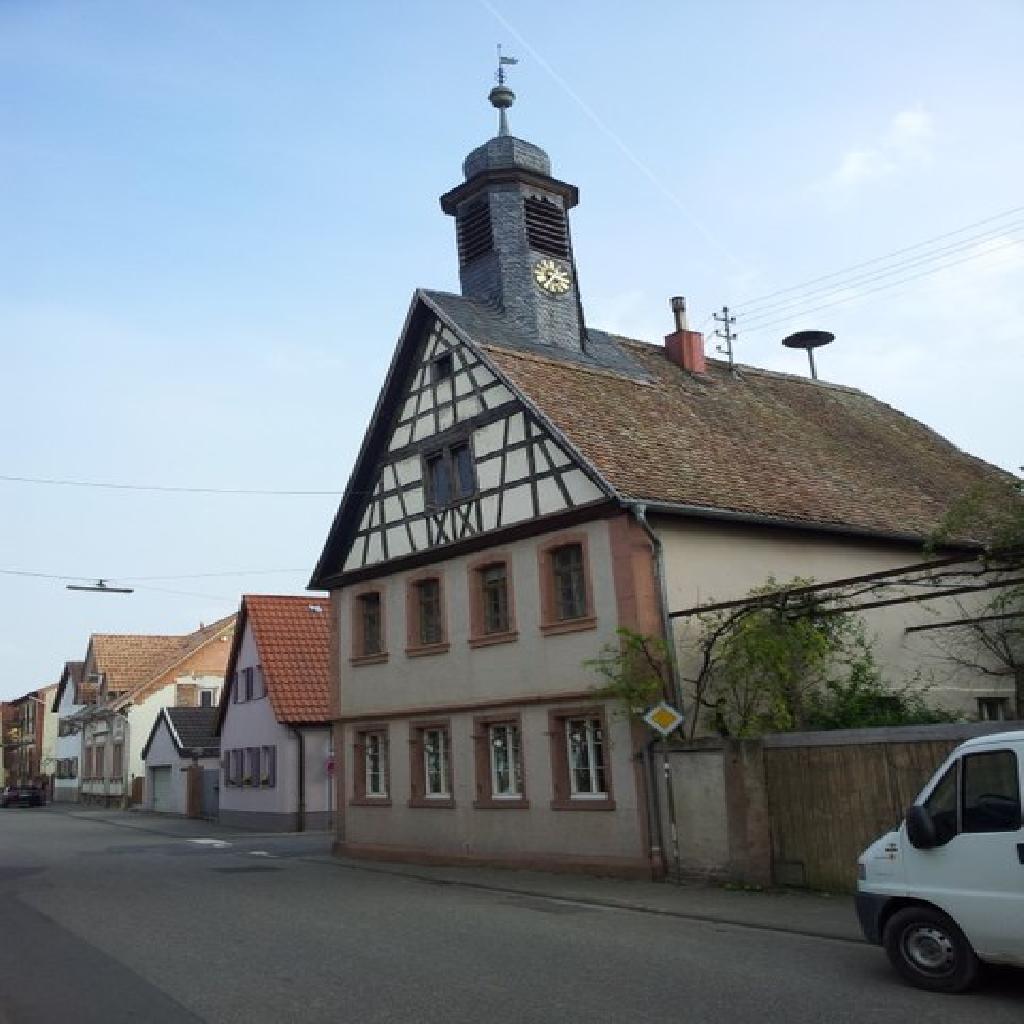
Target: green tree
(785,661)
(990,638)
(635,671)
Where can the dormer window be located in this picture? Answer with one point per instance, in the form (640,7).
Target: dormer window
(546,227)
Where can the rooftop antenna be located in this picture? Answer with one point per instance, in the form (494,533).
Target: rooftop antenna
(501,96)
(809,340)
(726,333)
(101,587)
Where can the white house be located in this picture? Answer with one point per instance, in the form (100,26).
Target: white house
(137,677)
(274,727)
(71,697)
(182,739)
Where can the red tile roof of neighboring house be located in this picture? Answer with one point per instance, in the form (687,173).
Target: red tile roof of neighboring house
(133,663)
(755,442)
(293,636)
(175,654)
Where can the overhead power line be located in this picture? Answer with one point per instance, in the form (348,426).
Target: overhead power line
(161,488)
(786,317)
(900,267)
(759,299)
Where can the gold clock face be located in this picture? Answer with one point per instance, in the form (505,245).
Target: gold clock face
(552,276)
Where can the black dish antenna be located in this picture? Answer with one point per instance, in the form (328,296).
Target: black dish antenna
(809,340)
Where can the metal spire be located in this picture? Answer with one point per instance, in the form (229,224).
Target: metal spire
(501,96)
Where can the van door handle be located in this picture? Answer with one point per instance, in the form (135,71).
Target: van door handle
(1020,852)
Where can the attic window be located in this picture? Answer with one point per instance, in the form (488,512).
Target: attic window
(546,228)
(473,231)
(441,368)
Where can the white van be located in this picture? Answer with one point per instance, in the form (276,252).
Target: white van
(946,890)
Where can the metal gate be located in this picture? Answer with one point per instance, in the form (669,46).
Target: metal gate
(210,793)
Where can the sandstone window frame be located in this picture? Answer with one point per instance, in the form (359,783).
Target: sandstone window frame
(551,623)
(479,634)
(417,644)
(419,795)
(483,762)
(564,798)
(361,794)
(361,616)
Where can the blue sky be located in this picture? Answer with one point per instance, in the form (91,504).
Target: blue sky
(214,215)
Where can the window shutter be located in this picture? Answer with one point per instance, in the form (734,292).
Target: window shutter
(271,755)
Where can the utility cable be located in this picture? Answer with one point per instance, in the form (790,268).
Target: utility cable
(898,268)
(757,300)
(161,488)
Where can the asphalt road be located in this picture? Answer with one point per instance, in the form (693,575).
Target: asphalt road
(111,924)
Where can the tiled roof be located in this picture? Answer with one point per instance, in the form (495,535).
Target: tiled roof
(196,729)
(131,662)
(755,442)
(292,636)
(175,653)
(128,660)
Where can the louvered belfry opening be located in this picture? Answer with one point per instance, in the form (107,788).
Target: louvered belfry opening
(546,229)
(474,231)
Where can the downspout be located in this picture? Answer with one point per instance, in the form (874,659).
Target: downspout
(301,817)
(640,513)
(639,510)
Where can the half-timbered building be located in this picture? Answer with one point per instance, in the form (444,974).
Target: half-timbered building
(527,486)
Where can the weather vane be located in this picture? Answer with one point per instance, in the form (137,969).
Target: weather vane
(501,96)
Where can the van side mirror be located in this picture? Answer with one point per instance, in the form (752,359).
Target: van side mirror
(921,829)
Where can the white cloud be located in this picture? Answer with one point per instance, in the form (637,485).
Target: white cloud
(906,143)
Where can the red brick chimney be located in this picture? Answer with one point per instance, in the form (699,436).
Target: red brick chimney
(684,347)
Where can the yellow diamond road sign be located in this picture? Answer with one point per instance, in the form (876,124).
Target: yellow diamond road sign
(664,718)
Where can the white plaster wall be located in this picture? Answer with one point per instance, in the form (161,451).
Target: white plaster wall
(68,746)
(535,664)
(716,562)
(538,830)
(142,716)
(162,753)
(252,724)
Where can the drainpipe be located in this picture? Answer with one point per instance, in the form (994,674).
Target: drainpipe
(639,511)
(301,817)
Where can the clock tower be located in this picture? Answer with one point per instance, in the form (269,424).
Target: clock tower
(512,229)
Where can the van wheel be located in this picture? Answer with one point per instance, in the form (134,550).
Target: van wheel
(929,950)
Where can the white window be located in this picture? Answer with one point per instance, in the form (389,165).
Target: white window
(506,761)
(375,754)
(435,763)
(585,740)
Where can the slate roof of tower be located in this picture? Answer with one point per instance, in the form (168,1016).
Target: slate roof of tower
(755,442)
(292,635)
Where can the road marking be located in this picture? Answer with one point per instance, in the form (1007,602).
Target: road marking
(215,843)
(259,853)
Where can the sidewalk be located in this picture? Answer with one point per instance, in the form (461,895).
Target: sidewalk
(784,910)
(780,910)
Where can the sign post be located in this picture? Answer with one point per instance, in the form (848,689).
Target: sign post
(665,719)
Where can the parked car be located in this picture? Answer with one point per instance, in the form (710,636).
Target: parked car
(945,891)
(22,796)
